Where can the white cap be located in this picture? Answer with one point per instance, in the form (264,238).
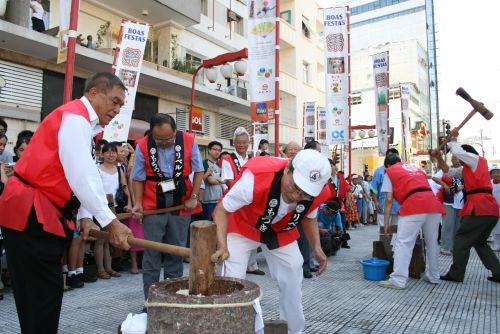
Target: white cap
(494,167)
(355,176)
(311,171)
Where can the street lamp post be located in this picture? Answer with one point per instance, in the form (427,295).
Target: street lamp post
(209,63)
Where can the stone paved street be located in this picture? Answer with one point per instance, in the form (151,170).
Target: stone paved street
(340,301)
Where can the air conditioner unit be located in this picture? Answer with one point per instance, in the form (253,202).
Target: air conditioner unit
(231,16)
(241,92)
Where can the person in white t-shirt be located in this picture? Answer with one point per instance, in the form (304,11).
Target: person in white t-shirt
(495,180)
(37,15)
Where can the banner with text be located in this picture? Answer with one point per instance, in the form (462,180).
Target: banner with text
(63,34)
(381,76)
(337,76)
(262,58)
(127,66)
(322,129)
(309,122)
(405,100)
(197,120)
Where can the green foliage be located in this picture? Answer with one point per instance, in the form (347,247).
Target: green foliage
(179,64)
(101,32)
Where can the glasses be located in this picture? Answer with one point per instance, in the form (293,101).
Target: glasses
(167,140)
(216,149)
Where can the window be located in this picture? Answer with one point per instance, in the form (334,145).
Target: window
(394,92)
(306,32)
(356,98)
(151,51)
(287,16)
(305,72)
(204,7)
(237,26)
(192,61)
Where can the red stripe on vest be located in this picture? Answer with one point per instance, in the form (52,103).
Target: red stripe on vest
(480,204)
(404,179)
(243,221)
(42,168)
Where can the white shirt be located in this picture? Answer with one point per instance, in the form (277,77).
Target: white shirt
(433,184)
(470,159)
(75,136)
(241,194)
(38,10)
(227,172)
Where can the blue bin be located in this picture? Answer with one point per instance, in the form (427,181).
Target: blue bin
(374,269)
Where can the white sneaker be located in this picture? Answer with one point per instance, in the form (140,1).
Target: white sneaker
(390,284)
(427,279)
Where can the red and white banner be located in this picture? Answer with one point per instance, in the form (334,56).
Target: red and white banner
(262,58)
(405,133)
(197,120)
(321,134)
(381,76)
(127,66)
(336,26)
(309,122)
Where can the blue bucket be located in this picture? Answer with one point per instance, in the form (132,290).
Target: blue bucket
(374,269)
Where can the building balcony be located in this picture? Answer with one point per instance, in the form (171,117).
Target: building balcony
(288,83)
(17,42)
(288,35)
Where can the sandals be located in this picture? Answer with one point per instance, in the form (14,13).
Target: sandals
(113,273)
(103,275)
(134,271)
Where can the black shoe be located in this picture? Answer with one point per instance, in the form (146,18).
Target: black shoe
(84,277)
(74,281)
(493,279)
(447,277)
(144,310)
(345,246)
(314,269)
(256,272)
(307,274)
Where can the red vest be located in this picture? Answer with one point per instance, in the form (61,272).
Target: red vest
(479,204)
(407,178)
(244,220)
(41,167)
(149,197)
(339,193)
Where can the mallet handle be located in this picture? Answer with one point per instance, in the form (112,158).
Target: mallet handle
(122,216)
(466,119)
(164,248)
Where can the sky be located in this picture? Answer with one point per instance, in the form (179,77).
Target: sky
(468,54)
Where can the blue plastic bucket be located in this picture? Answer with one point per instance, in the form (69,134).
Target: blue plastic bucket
(374,269)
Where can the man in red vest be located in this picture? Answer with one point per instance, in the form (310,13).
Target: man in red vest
(163,162)
(420,210)
(263,209)
(38,201)
(479,214)
(231,169)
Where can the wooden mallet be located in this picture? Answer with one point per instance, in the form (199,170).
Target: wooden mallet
(477,107)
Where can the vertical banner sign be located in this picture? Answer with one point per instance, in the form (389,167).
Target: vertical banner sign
(321,135)
(197,120)
(381,76)
(63,35)
(345,159)
(336,77)
(127,66)
(309,122)
(260,131)
(405,99)
(262,58)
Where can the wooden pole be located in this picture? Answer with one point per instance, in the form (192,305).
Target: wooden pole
(126,215)
(201,267)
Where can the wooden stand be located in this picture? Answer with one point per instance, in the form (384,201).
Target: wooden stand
(201,267)
(382,249)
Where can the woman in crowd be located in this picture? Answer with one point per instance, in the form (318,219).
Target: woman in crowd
(263,148)
(112,179)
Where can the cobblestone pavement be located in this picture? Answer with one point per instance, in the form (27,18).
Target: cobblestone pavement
(339,301)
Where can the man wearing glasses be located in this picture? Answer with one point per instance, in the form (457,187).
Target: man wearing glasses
(162,164)
(263,209)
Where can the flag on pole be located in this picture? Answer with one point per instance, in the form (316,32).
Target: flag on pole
(381,76)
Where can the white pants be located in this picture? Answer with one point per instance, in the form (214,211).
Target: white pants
(252,261)
(408,229)
(285,266)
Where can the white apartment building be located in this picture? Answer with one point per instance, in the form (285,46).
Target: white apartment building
(182,34)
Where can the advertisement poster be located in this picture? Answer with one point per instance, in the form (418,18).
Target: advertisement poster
(127,66)
(260,131)
(381,76)
(309,122)
(336,26)
(197,120)
(322,129)
(405,133)
(262,58)
(63,35)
